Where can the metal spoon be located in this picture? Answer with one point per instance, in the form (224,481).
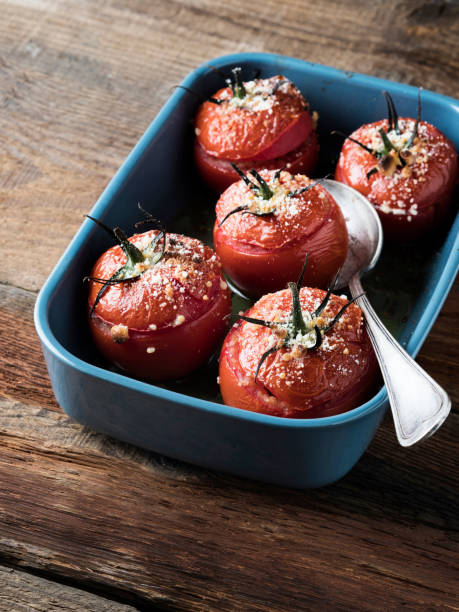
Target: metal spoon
(419,405)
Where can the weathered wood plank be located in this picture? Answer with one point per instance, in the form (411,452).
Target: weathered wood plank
(199,540)
(439,354)
(73,106)
(152,537)
(79,83)
(52,431)
(23,373)
(23,592)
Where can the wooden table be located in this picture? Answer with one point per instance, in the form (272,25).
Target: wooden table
(88,523)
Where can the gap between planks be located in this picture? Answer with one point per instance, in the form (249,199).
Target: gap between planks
(22,592)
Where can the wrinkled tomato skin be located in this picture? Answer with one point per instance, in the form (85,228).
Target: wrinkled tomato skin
(219,174)
(257,271)
(239,389)
(248,396)
(397,227)
(257,268)
(290,139)
(433,196)
(269,128)
(187,283)
(241,132)
(178,350)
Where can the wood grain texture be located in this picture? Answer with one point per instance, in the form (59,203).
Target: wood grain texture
(23,373)
(178,536)
(110,516)
(79,83)
(22,592)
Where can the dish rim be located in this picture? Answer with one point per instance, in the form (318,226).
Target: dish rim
(45,296)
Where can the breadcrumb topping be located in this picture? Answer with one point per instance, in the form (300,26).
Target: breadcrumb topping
(178,288)
(395,188)
(278,220)
(340,352)
(261,94)
(119,333)
(238,128)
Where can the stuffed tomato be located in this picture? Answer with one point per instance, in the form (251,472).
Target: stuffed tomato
(406,168)
(268,221)
(298,353)
(158,304)
(263,123)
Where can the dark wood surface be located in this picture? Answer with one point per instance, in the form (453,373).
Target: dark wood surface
(88,523)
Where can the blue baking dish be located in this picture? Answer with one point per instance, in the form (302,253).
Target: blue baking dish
(185,419)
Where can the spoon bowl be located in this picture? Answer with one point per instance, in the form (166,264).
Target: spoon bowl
(364,231)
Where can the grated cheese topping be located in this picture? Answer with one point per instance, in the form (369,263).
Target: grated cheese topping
(313,376)
(279,220)
(259,94)
(398,190)
(238,129)
(178,288)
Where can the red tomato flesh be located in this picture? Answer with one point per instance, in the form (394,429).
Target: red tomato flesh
(295,382)
(167,322)
(262,254)
(412,199)
(245,129)
(270,122)
(219,174)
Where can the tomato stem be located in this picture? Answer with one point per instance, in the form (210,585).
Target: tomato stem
(277,84)
(296,325)
(236,84)
(263,187)
(157,224)
(279,172)
(294,194)
(296,317)
(266,354)
(217,70)
(256,321)
(388,146)
(106,283)
(133,254)
(386,162)
(299,282)
(323,303)
(341,312)
(371,172)
(129,271)
(392,114)
(231,212)
(245,178)
(200,96)
(416,125)
(355,141)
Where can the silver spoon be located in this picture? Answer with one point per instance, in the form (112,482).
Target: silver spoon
(419,405)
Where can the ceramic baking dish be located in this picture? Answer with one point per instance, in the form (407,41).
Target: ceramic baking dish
(186,419)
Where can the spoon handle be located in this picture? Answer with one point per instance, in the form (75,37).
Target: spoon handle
(419,405)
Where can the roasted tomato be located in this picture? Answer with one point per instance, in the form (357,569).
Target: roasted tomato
(406,168)
(268,221)
(219,173)
(158,304)
(264,123)
(298,354)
